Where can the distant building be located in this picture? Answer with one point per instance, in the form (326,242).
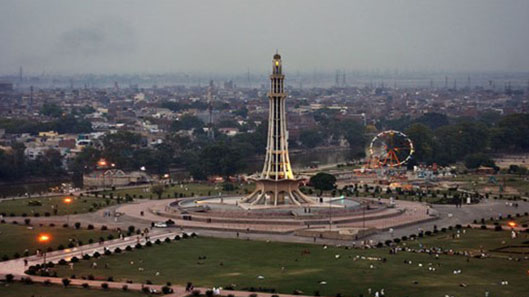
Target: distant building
(6,87)
(113,178)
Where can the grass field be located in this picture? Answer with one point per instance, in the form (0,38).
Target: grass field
(287,267)
(47,205)
(38,290)
(482,184)
(17,238)
(474,240)
(190,189)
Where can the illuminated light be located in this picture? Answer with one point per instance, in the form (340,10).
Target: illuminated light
(512,224)
(102,163)
(277,63)
(67,200)
(166,175)
(44,238)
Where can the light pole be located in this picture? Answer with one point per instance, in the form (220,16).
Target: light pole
(364,216)
(330,214)
(44,239)
(67,200)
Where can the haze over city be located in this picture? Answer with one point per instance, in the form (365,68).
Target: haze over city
(264,148)
(66,37)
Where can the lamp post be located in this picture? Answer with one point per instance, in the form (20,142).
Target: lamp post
(44,239)
(67,200)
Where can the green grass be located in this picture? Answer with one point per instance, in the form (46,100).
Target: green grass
(240,262)
(197,189)
(19,207)
(472,241)
(23,290)
(17,238)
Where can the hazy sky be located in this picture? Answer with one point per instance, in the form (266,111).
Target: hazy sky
(155,36)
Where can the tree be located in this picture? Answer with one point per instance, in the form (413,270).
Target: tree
(479,159)
(158,190)
(51,110)
(187,122)
(423,141)
(433,120)
(323,182)
(310,138)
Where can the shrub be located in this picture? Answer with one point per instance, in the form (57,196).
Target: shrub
(195,293)
(138,246)
(77,225)
(110,237)
(85,285)
(27,280)
(86,257)
(65,225)
(166,290)
(60,247)
(74,260)
(167,239)
(104,228)
(27,221)
(117,250)
(90,227)
(158,241)
(108,252)
(125,287)
(9,278)
(128,248)
(497,228)
(62,262)
(148,243)
(104,286)
(96,255)
(47,282)
(65,282)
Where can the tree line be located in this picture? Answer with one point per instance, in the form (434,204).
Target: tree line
(438,139)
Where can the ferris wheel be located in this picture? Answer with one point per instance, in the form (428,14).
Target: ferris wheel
(390,149)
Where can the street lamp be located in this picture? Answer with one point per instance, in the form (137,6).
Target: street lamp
(511,224)
(44,239)
(67,200)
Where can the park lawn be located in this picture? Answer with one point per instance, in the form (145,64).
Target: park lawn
(17,238)
(473,240)
(188,190)
(19,207)
(240,262)
(22,290)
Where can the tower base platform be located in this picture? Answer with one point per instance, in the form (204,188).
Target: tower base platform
(277,192)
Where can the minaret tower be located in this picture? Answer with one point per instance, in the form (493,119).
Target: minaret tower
(277,161)
(277,184)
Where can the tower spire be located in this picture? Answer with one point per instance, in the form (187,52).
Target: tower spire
(277,184)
